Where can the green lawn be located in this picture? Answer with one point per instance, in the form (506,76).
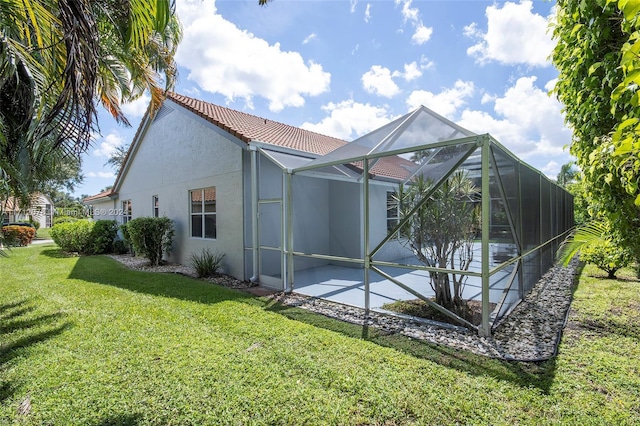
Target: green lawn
(84,341)
(43,234)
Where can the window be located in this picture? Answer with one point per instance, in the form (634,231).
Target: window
(156,206)
(203,212)
(393,211)
(126,211)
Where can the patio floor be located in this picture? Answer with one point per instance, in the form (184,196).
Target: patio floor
(346,285)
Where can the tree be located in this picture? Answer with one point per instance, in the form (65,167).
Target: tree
(117,158)
(597,56)
(567,174)
(440,232)
(59,59)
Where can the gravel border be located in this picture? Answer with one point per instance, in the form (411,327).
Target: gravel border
(530,333)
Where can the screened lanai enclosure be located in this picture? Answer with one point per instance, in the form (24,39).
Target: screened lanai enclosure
(417,209)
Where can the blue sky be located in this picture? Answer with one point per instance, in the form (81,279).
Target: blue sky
(344,68)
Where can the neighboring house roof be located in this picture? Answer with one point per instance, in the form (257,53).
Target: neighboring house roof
(12,204)
(102,194)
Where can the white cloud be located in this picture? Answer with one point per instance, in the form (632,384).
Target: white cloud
(138,107)
(348,119)
(309,38)
(445,103)
(103,175)
(367,13)
(222,58)
(422,34)
(354,3)
(411,71)
(108,145)
(408,13)
(378,80)
(529,123)
(514,35)
(426,63)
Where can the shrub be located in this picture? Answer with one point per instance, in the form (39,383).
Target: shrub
(120,247)
(151,237)
(102,236)
(73,236)
(126,239)
(64,219)
(606,255)
(14,235)
(206,263)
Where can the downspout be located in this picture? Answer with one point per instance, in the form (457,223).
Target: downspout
(254,214)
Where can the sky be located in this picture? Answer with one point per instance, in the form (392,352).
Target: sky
(346,67)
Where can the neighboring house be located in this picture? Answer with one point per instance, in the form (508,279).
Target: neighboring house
(40,210)
(280,201)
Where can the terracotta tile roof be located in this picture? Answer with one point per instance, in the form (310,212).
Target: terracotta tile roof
(100,195)
(249,127)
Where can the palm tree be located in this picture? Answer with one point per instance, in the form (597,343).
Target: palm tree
(59,59)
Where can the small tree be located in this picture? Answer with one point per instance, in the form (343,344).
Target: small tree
(440,233)
(151,237)
(607,256)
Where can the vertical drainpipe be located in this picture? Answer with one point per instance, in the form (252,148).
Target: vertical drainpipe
(485,329)
(254,213)
(365,237)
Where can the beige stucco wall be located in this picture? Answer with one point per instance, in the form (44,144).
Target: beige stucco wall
(180,152)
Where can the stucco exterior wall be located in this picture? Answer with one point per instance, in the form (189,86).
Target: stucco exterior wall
(105,209)
(180,152)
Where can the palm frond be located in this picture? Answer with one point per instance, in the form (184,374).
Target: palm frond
(593,232)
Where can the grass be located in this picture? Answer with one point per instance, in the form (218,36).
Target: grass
(43,234)
(84,341)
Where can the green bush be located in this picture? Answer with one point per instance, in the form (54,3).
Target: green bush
(64,219)
(15,235)
(73,236)
(120,247)
(126,239)
(151,237)
(606,255)
(206,263)
(103,235)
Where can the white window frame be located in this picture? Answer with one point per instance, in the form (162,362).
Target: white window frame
(127,211)
(202,213)
(155,205)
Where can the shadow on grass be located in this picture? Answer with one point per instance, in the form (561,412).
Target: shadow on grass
(107,271)
(57,254)
(19,329)
(526,374)
(103,270)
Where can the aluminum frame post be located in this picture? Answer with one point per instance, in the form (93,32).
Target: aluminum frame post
(485,327)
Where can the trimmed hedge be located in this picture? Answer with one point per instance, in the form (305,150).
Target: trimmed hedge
(15,235)
(150,237)
(85,236)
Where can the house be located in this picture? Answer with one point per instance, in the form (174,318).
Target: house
(40,209)
(280,201)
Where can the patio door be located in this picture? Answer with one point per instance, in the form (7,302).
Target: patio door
(270,243)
